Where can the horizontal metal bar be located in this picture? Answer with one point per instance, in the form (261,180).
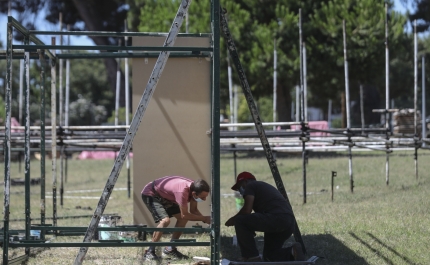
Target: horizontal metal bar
(18,260)
(108,244)
(226,125)
(116,34)
(113,48)
(129,55)
(123,228)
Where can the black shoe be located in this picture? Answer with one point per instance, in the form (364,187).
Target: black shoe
(150,256)
(173,254)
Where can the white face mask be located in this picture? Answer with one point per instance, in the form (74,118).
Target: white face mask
(197,199)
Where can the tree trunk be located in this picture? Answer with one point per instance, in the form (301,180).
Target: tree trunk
(88,11)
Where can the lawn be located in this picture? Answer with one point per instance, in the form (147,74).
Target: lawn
(376,224)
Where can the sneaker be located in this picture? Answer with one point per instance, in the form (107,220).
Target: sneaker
(173,254)
(298,252)
(150,256)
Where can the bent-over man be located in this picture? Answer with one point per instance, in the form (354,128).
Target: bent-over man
(169,197)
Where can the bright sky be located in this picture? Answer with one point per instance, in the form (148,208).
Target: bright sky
(398,6)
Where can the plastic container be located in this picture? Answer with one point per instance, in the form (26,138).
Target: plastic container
(239,200)
(109,221)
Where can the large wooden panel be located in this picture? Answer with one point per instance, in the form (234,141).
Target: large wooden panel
(172,138)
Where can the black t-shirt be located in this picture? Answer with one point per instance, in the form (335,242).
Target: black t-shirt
(267,198)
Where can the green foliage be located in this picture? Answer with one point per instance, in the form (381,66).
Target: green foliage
(255,26)
(84,112)
(121,117)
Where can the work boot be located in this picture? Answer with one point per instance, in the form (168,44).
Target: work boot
(298,252)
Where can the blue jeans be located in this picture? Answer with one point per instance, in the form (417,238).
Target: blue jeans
(277,229)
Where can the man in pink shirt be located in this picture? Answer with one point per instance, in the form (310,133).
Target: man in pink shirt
(169,197)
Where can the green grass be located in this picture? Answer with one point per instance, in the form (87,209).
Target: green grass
(377,224)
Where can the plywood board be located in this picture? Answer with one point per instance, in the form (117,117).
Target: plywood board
(172,138)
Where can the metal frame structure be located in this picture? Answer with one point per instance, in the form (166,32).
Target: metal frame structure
(164,53)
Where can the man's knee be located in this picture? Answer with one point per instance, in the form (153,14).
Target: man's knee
(165,221)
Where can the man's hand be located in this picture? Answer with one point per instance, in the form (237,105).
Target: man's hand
(207,220)
(230,222)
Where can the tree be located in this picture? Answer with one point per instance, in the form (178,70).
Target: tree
(422,14)
(95,15)
(254,26)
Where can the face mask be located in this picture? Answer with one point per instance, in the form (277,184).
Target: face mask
(197,199)
(241,191)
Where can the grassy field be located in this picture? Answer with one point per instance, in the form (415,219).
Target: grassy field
(377,224)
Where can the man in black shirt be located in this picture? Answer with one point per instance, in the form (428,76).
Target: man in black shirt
(272,215)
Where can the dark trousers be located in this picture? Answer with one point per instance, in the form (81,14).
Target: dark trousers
(276,227)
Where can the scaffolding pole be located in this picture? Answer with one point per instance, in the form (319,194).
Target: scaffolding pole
(54,135)
(415,97)
(7,147)
(387,97)
(348,117)
(127,108)
(27,143)
(42,139)
(128,140)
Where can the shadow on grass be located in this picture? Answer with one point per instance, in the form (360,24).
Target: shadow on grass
(328,247)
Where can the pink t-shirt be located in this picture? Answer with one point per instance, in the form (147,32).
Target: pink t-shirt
(172,188)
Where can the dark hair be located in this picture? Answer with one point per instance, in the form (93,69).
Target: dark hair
(199,185)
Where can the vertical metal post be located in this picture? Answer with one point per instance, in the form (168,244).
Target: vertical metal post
(27,142)
(216,210)
(257,121)
(235,162)
(7,147)
(67,99)
(128,140)
(21,85)
(275,81)
(42,138)
(333,175)
(329,113)
(297,103)
(61,173)
(304,168)
(118,86)
(60,110)
(301,65)
(60,74)
(230,88)
(54,135)
(415,97)
(348,117)
(362,108)
(236,104)
(345,56)
(423,106)
(387,72)
(387,98)
(127,108)
(305,84)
